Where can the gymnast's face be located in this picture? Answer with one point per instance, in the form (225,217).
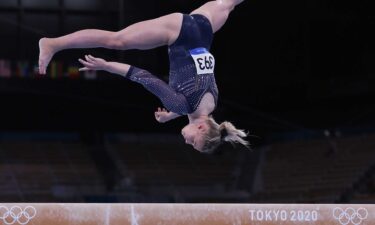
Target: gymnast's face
(194,134)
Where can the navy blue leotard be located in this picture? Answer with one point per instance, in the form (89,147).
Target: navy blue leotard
(186,86)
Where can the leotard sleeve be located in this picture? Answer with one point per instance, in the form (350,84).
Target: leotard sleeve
(172,101)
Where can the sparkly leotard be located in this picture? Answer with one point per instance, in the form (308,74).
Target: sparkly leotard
(186,86)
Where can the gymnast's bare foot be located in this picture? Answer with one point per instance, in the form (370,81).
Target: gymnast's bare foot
(46,53)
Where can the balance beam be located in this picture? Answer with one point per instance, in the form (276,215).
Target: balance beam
(185,214)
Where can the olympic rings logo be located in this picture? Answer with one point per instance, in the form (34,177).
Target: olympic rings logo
(17,214)
(350,215)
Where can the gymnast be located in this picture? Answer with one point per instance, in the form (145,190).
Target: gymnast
(191,90)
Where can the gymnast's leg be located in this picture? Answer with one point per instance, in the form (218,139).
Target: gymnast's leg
(143,35)
(217,11)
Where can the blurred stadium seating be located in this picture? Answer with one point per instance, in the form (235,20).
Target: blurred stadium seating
(161,168)
(311,171)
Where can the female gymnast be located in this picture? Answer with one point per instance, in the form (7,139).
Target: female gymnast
(192,89)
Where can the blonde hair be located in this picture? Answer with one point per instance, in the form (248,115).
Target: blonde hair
(225,132)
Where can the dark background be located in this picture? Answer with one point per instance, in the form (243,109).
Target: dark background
(283,69)
(280,65)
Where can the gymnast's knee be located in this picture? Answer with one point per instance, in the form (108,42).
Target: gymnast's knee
(118,41)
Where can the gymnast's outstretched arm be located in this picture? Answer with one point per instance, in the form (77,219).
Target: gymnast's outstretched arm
(175,102)
(92,63)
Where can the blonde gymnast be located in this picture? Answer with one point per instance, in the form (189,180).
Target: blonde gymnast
(192,88)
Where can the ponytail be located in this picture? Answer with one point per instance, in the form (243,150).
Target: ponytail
(229,133)
(225,132)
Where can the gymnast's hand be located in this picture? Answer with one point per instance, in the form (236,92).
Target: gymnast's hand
(92,63)
(162,115)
